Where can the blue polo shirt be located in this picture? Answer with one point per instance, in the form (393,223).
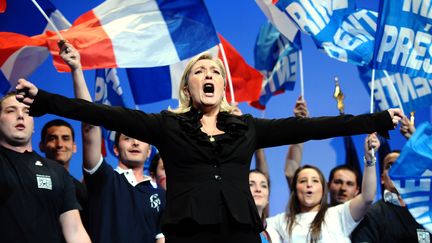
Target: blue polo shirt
(121,210)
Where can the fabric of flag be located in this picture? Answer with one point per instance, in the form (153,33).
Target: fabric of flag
(412,175)
(20,54)
(276,57)
(341,31)
(246,79)
(138,33)
(414,93)
(150,85)
(2,6)
(280,20)
(403,39)
(108,91)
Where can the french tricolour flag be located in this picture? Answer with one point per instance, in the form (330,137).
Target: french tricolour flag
(20,55)
(150,85)
(138,33)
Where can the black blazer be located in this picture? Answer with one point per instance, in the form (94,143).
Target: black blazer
(202,175)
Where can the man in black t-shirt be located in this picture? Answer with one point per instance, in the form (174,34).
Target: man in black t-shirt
(389,220)
(37,199)
(58,143)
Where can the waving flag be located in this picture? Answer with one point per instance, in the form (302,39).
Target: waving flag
(20,55)
(138,33)
(150,85)
(412,175)
(403,41)
(336,27)
(415,93)
(280,20)
(276,57)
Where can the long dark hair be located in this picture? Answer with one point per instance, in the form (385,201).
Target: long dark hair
(294,208)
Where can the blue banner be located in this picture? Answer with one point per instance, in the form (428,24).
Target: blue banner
(108,91)
(414,93)
(341,31)
(403,40)
(412,175)
(277,58)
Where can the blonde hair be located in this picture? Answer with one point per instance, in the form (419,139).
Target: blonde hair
(185,102)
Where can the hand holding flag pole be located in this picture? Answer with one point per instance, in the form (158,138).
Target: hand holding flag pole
(48,19)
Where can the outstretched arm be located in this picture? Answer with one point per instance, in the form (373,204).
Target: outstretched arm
(361,203)
(295,151)
(92,138)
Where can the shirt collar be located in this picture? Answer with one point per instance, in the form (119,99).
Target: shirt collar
(391,197)
(130,176)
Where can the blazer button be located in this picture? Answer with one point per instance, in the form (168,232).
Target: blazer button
(218,177)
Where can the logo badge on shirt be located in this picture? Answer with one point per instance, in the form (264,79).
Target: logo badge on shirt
(155,202)
(38,163)
(44,181)
(423,236)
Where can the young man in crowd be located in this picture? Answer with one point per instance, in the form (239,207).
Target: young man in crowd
(123,206)
(37,195)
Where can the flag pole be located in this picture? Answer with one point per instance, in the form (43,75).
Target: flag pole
(372,97)
(301,74)
(48,19)
(228,73)
(394,90)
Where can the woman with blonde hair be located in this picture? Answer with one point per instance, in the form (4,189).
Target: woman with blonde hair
(205,149)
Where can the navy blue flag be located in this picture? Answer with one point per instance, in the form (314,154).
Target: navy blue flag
(108,91)
(413,93)
(277,59)
(412,175)
(344,33)
(403,39)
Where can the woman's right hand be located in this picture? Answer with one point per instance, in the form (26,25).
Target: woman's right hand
(26,91)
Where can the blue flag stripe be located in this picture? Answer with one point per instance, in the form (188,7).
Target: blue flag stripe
(150,85)
(195,21)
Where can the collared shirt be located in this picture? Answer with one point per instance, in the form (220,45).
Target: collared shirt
(128,173)
(117,202)
(391,197)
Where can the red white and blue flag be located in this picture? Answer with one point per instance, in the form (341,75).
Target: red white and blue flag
(138,33)
(150,85)
(20,55)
